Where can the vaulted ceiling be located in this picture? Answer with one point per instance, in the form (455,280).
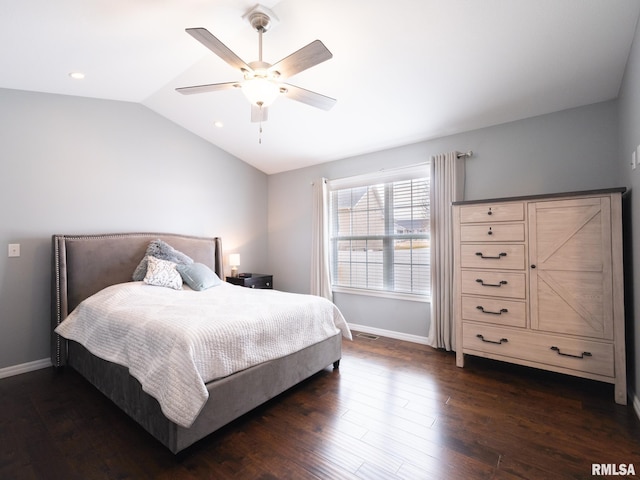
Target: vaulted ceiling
(402,71)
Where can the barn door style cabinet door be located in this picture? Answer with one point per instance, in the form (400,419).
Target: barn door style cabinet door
(539,282)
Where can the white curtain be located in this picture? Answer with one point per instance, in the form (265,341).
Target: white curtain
(320,276)
(447,185)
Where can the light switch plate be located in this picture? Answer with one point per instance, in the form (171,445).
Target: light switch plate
(634,157)
(14,249)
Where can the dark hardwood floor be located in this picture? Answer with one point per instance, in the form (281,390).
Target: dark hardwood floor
(393,410)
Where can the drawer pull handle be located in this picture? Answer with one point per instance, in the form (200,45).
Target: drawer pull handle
(490,232)
(489,212)
(584,354)
(499,342)
(481,282)
(497,257)
(502,310)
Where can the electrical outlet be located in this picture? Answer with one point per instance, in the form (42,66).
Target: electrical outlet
(14,249)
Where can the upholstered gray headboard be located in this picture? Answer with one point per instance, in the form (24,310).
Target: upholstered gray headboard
(85,264)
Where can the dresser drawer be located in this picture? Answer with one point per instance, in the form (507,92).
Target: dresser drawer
(492,232)
(488,212)
(572,353)
(495,284)
(502,256)
(498,311)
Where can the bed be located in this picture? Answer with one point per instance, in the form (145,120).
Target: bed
(85,266)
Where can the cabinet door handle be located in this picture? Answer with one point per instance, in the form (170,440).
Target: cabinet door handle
(584,354)
(502,310)
(497,257)
(499,342)
(481,282)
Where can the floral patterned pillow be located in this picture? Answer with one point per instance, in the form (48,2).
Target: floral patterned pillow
(162,273)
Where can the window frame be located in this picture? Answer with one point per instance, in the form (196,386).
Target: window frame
(386,177)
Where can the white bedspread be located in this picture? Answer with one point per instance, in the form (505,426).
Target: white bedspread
(174,341)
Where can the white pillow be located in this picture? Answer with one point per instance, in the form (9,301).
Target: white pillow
(162,273)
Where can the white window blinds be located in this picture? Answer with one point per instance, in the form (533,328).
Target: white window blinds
(379,232)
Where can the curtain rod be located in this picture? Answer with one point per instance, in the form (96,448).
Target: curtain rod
(458,155)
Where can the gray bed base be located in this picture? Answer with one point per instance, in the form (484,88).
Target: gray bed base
(84,264)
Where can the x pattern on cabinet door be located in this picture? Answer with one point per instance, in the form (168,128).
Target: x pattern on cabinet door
(572,289)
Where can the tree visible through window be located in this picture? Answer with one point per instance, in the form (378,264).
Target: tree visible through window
(379,234)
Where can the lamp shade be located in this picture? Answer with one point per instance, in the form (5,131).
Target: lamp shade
(234,259)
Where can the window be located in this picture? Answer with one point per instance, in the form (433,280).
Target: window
(379,232)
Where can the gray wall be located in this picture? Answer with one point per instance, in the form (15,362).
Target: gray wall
(564,151)
(629,108)
(78,165)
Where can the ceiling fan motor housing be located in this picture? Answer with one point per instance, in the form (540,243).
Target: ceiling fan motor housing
(261,18)
(260,22)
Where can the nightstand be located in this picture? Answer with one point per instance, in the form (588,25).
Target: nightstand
(252,280)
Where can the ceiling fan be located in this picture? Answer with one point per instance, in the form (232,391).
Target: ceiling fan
(262,82)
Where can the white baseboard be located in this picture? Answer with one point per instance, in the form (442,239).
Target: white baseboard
(25,367)
(389,333)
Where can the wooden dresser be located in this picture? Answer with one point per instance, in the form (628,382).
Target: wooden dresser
(539,282)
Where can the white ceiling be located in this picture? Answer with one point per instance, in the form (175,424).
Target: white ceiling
(403,70)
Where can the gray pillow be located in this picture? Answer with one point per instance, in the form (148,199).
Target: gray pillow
(198,276)
(162,250)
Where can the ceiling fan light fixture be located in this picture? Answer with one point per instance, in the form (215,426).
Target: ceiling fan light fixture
(260,91)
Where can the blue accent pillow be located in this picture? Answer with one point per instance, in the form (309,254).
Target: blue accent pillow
(198,276)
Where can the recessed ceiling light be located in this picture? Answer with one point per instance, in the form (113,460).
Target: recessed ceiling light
(218,124)
(77,75)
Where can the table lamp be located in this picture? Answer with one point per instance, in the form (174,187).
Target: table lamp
(234,261)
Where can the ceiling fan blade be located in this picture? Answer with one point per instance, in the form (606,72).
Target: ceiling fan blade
(307,96)
(212,87)
(259,114)
(216,46)
(306,57)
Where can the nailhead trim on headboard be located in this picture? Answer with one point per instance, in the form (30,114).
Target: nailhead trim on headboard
(59,351)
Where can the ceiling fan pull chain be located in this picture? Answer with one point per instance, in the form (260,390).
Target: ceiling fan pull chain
(260,130)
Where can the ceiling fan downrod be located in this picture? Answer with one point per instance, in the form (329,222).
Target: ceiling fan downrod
(260,22)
